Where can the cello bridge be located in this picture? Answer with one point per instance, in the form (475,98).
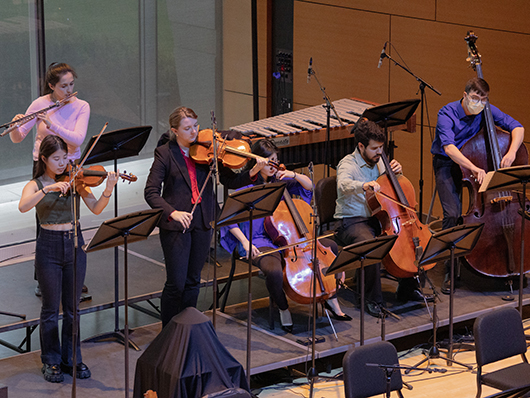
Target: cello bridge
(502,199)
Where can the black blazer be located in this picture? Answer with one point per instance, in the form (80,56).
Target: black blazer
(168,185)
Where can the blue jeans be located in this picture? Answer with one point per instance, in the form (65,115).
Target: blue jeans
(54,265)
(448,177)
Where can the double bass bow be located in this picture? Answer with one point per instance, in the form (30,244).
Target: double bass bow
(494,254)
(393,206)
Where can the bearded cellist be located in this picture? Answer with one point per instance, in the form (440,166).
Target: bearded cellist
(458,122)
(356,174)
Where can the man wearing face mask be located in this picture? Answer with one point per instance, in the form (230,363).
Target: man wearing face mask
(458,122)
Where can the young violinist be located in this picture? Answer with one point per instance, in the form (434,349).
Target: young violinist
(173,184)
(69,121)
(271,265)
(357,173)
(458,122)
(54,254)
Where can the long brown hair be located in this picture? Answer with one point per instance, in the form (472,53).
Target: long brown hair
(54,73)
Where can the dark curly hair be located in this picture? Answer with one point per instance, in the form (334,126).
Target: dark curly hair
(366,130)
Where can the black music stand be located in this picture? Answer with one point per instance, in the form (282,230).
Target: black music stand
(126,229)
(511,178)
(360,255)
(114,145)
(248,205)
(448,244)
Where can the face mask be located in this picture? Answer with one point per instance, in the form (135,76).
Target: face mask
(473,108)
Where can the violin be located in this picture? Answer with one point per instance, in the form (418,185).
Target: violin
(291,223)
(232,153)
(93,176)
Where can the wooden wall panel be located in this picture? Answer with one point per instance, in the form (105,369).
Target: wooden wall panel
(414,8)
(345,45)
(237,46)
(491,14)
(237,61)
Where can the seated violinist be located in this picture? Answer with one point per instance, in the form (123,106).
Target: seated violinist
(271,265)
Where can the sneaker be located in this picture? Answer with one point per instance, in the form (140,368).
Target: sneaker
(52,373)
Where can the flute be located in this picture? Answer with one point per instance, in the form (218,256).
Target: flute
(23,120)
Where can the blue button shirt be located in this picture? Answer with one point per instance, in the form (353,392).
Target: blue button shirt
(456,128)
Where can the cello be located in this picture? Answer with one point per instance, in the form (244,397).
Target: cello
(291,223)
(494,254)
(393,206)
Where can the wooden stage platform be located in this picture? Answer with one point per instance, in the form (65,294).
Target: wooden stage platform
(271,349)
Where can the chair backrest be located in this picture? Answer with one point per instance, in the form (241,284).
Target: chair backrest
(362,381)
(499,334)
(325,197)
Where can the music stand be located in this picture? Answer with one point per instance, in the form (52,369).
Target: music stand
(126,229)
(248,205)
(511,178)
(114,145)
(449,244)
(360,255)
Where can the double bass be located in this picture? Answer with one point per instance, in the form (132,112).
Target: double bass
(393,206)
(496,251)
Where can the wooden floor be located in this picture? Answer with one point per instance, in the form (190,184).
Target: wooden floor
(457,382)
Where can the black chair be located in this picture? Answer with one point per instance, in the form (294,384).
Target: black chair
(325,197)
(499,335)
(362,381)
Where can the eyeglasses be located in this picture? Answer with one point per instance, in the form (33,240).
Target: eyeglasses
(475,99)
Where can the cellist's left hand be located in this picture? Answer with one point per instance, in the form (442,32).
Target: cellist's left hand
(396,166)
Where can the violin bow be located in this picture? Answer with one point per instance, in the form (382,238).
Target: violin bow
(88,153)
(214,126)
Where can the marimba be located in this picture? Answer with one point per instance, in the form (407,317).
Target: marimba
(301,135)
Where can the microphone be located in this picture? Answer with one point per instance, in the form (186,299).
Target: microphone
(310,69)
(382,56)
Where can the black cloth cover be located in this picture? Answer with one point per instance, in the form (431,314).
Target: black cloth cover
(187,360)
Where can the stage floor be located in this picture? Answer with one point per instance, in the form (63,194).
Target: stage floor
(270,349)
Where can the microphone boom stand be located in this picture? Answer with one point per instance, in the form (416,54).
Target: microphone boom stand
(328,106)
(422,86)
